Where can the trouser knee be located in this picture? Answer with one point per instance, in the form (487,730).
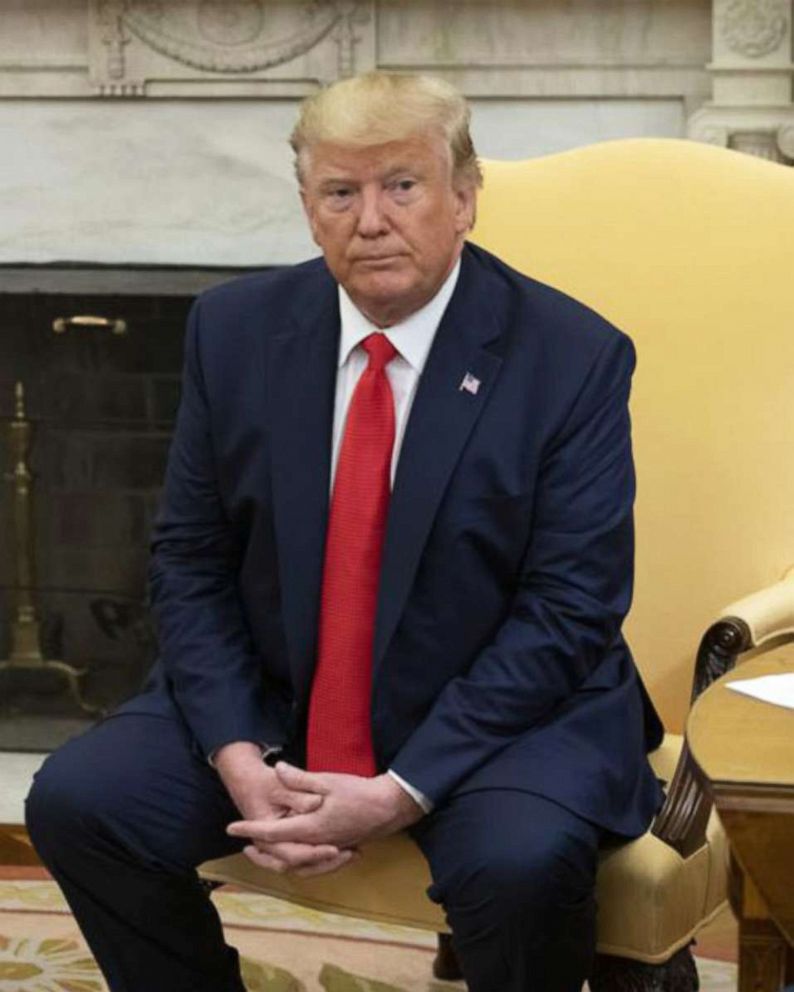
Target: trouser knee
(52,812)
(545,889)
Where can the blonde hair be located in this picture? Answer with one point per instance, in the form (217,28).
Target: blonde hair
(377,107)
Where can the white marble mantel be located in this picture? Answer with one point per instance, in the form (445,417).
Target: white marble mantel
(154,131)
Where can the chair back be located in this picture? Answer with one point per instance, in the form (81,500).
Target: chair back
(689,249)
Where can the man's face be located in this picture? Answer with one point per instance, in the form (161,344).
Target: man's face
(389,219)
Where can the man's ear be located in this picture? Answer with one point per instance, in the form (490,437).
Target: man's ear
(465,206)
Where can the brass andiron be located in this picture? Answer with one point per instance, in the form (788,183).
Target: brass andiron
(25,635)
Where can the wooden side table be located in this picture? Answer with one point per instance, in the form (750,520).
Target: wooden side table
(745,751)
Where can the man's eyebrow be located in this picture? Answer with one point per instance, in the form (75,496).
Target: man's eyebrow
(340,179)
(330,181)
(398,170)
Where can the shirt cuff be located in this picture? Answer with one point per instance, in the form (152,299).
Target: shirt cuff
(268,751)
(418,797)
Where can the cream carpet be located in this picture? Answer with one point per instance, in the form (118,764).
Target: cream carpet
(284,948)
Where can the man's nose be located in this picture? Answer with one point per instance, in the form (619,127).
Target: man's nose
(372,219)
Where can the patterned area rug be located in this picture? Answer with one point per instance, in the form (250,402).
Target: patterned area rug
(284,948)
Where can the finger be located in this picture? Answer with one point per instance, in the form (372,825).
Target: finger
(280,857)
(314,852)
(327,866)
(302,828)
(302,855)
(297,778)
(298,802)
(264,860)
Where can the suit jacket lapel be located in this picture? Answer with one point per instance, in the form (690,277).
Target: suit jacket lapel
(301,380)
(442,417)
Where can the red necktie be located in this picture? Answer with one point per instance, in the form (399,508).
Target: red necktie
(339,732)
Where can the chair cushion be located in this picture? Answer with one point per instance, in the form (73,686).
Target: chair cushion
(651,900)
(387,883)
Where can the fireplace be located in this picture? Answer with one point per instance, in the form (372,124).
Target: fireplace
(95,399)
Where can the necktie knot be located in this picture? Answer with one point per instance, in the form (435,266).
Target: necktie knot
(380,351)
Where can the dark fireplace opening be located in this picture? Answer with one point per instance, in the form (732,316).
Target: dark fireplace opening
(90,362)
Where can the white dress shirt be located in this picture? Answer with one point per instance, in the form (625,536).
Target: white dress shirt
(412,338)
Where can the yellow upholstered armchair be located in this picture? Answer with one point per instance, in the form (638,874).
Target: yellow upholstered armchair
(685,247)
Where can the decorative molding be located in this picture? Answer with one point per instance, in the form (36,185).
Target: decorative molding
(751,79)
(234,23)
(114,36)
(761,143)
(767,132)
(352,15)
(755,28)
(212,48)
(785,139)
(229,37)
(186,49)
(704,130)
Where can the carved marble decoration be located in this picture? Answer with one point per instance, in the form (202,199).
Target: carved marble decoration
(755,28)
(710,134)
(177,43)
(114,36)
(238,37)
(767,132)
(785,139)
(347,36)
(646,49)
(762,144)
(751,79)
(235,23)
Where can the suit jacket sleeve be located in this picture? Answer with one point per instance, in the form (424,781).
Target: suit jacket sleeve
(206,648)
(569,600)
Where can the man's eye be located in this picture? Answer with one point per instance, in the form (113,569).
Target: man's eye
(404,185)
(338,197)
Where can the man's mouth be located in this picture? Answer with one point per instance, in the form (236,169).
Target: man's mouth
(376,259)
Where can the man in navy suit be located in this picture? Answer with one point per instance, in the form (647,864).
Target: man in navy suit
(393,557)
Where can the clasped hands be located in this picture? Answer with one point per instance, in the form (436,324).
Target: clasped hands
(313,822)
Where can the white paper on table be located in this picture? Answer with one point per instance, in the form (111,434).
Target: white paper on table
(778,689)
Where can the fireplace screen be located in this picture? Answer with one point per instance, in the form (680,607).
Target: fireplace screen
(89,387)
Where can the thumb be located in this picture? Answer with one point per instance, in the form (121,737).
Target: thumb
(300,780)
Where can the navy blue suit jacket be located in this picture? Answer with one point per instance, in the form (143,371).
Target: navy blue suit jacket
(507,568)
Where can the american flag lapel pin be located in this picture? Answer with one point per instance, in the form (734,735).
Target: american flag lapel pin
(470,384)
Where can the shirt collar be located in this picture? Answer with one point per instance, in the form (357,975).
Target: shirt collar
(412,337)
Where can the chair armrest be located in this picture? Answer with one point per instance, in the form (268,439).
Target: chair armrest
(767,613)
(745,624)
